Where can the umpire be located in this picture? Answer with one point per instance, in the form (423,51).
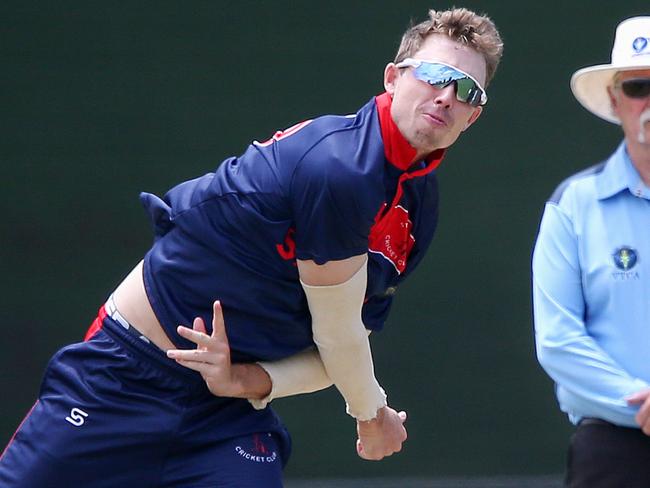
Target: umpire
(591,279)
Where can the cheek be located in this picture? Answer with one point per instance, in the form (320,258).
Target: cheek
(463,118)
(454,135)
(413,92)
(403,106)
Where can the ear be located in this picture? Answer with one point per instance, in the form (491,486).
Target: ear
(475,115)
(613,101)
(391,74)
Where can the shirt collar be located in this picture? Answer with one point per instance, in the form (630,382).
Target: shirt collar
(620,174)
(396,148)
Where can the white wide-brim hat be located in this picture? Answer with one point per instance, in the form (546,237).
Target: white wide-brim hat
(631,51)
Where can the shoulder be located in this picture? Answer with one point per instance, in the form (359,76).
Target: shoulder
(579,182)
(342,150)
(303,137)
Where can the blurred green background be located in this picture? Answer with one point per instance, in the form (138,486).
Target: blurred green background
(101,100)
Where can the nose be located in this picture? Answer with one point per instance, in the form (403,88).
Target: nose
(445,96)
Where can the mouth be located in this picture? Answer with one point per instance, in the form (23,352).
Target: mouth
(435,119)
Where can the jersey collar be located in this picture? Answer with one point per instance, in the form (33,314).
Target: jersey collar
(620,174)
(396,148)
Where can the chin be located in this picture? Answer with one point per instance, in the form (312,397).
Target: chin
(426,141)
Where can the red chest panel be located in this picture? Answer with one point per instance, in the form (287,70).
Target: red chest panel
(391,236)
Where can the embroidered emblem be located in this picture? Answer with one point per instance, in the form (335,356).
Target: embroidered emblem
(639,44)
(391,236)
(625,258)
(258,452)
(390,291)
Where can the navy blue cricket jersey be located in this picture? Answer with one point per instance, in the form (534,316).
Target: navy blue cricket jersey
(325,189)
(115,411)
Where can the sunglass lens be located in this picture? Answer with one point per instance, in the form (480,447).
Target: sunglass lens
(636,88)
(467,91)
(440,76)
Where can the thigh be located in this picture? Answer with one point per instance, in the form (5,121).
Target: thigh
(605,455)
(85,429)
(248,461)
(44,453)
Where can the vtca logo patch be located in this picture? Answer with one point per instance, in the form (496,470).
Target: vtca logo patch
(625,258)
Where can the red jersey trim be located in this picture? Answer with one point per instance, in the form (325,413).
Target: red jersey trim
(396,148)
(390,235)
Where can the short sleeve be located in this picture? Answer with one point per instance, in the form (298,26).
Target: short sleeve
(334,205)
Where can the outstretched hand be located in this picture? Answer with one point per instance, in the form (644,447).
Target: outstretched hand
(382,436)
(211,357)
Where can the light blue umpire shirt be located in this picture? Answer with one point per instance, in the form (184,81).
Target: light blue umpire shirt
(591,290)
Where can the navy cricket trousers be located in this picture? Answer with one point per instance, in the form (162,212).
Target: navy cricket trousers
(114,411)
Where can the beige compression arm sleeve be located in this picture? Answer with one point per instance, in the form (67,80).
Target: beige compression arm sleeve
(301,373)
(343,344)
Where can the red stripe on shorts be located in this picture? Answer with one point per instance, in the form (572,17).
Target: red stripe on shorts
(96,325)
(21,424)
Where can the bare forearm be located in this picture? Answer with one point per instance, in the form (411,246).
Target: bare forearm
(249,380)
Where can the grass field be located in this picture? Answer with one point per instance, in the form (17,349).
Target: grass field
(455,482)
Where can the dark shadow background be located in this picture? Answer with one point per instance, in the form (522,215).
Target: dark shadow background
(101,100)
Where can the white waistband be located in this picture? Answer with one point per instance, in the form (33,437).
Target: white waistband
(113,312)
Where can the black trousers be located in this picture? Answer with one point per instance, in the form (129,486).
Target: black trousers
(602,455)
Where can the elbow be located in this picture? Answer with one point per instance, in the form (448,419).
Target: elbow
(546,352)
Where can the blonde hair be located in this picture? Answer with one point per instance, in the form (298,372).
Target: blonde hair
(460,25)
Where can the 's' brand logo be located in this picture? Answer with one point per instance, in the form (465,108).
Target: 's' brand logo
(77,417)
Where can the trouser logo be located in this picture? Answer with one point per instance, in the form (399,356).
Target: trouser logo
(77,417)
(257,459)
(259,453)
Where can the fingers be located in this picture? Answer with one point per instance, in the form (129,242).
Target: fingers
(199,326)
(638,397)
(361,452)
(382,436)
(201,339)
(374,455)
(204,368)
(642,417)
(198,334)
(218,324)
(368,456)
(200,355)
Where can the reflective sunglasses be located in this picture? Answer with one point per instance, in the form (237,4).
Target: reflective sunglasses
(636,87)
(441,75)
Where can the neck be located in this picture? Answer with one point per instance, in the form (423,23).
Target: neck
(422,156)
(640,156)
(398,150)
